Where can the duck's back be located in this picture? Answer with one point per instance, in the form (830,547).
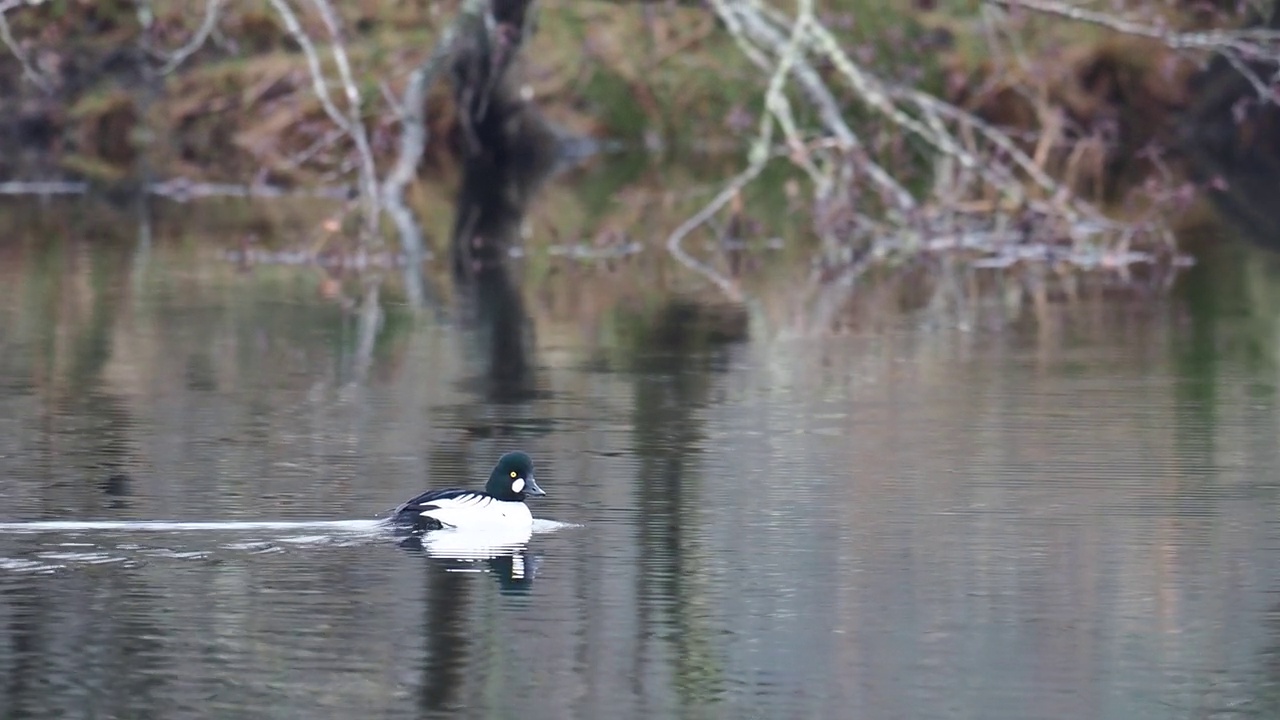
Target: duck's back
(464,508)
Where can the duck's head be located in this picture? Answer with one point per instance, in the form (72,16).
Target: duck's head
(512,478)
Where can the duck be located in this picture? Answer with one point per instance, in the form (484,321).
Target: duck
(500,504)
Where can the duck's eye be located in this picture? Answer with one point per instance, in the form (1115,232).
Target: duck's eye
(518,485)
(513,473)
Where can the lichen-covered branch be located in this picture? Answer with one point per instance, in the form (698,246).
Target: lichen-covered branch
(993,198)
(748,29)
(318,78)
(778,109)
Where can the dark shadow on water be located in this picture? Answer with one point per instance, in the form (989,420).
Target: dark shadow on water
(1233,142)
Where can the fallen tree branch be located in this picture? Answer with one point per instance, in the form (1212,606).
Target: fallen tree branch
(992,202)
(744,25)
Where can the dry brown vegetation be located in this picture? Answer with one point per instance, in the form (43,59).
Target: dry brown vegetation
(1005,133)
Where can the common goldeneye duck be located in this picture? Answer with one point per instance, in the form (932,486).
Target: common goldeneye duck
(500,503)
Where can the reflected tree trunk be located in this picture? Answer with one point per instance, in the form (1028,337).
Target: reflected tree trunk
(509,150)
(668,438)
(111,450)
(446,640)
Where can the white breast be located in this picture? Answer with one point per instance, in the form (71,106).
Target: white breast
(478,510)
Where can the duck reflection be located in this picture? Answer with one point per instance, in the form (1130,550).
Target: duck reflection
(503,553)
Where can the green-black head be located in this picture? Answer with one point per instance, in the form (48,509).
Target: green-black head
(512,478)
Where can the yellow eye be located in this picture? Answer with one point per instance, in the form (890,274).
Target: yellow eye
(513,473)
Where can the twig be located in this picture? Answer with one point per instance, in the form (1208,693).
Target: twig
(777,107)
(43,188)
(392,101)
(7,36)
(197,41)
(298,159)
(776,102)
(677,237)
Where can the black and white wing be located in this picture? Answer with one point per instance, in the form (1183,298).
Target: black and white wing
(450,507)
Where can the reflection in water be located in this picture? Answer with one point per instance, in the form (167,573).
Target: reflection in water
(1075,521)
(669,440)
(503,335)
(511,152)
(487,223)
(498,178)
(447,652)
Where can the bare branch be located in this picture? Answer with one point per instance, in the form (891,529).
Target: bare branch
(318,80)
(776,106)
(368,170)
(706,213)
(413,134)
(351,123)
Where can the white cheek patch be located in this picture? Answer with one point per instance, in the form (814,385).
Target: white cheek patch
(517,485)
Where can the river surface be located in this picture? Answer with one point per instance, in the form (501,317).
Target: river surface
(1072,517)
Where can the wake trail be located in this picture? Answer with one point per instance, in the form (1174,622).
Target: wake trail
(72,526)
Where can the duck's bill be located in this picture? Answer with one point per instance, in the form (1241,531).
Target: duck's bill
(531,488)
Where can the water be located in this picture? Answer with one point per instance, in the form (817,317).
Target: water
(1068,518)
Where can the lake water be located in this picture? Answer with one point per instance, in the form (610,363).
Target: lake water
(1074,516)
